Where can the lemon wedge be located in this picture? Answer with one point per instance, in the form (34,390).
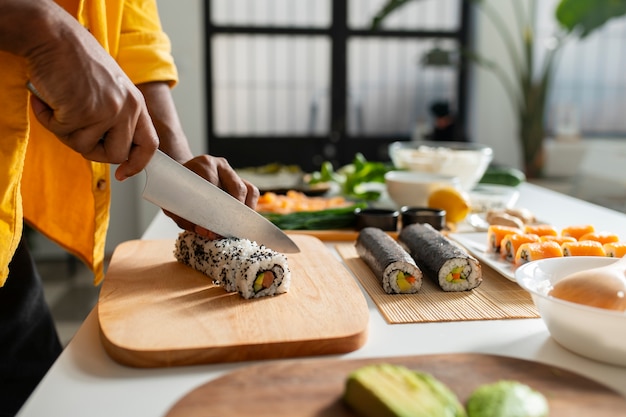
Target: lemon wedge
(455,202)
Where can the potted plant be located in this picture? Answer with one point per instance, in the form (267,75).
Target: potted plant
(528,88)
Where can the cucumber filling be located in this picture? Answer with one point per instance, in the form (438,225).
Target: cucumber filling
(456,275)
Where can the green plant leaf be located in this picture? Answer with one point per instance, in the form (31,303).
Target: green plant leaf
(586,16)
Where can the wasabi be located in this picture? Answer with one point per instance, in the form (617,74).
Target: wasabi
(506,399)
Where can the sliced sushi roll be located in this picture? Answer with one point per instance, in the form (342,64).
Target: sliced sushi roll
(541,229)
(583,248)
(577,230)
(558,239)
(533,251)
(615,249)
(495,234)
(512,242)
(237,265)
(390,263)
(440,259)
(602,237)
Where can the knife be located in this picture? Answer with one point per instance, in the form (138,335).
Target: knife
(181,191)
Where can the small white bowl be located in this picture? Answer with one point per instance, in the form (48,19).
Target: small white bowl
(591,332)
(410,188)
(466,160)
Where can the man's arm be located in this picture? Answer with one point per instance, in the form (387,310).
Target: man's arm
(87,95)
(174,143)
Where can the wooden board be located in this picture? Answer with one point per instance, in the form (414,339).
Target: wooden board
(314,388)
(154,311)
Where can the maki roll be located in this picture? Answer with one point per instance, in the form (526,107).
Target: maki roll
(615,249)
(583,248)
(533,251)
(541,229)
(237,265)
(510,244)
(577,230)
(393,267)
(602,237)
(495,234)
(440,259)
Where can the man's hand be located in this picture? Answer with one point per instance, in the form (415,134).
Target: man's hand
(217,171)
(88,101)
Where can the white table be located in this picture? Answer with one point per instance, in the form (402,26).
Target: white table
(86,382)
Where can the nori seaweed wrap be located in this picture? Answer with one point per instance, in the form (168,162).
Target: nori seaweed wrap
(389,262)
(441,259)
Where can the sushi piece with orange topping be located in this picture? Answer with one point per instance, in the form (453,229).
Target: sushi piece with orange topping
(533,251)
(495,234)
(559,239)
(577,230)
(510,243)
(602,237)
(583,248)
(615,249)
(541,229)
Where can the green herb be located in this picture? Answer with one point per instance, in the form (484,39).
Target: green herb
(354,178)
(335,218)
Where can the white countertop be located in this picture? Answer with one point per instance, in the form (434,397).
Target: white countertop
(85,381)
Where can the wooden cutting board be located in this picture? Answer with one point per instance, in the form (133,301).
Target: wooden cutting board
(314,388)
(154,311)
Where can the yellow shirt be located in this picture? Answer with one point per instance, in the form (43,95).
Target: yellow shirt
(55,189)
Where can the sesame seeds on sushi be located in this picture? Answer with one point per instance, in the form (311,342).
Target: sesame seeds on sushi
(237,265)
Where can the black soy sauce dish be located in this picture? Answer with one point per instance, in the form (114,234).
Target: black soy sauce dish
(435,217)
(384,219)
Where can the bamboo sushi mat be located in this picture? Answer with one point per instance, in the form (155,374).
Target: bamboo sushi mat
(495,298)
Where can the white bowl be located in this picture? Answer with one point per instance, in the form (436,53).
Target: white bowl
(409,188)
(466,160)
(591,332)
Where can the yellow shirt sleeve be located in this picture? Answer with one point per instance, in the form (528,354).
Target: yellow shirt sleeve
(144,50)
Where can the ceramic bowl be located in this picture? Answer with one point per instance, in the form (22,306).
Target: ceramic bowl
(467,161)
(591,332)
(410,188)
(384,219)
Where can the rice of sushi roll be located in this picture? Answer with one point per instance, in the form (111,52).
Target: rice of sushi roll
(237,265)
(389,262)
(441,259)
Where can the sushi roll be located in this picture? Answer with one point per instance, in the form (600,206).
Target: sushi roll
(615,249)
(237,265)
(510,244)
(558,239)
(533,251)
(440,259)
(602,237)
(583,248)
(392,265)
(577,230)
(541,229)
(495,234)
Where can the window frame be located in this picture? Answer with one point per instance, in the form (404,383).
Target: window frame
(308,151)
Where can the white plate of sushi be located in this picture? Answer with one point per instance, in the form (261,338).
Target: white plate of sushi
(476,244)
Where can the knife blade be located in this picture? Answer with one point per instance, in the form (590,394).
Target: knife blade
(177,189)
